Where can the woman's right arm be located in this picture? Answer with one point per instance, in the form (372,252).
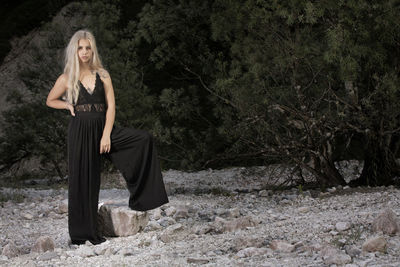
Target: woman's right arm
(59,88)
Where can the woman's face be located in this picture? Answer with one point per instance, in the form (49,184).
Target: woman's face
(85,52)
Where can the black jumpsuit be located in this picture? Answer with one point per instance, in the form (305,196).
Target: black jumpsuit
(133,153)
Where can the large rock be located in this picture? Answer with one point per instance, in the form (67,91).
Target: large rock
(42,244)
(10,250)
(331,255)
(120,220)
(386,222)
(373,244)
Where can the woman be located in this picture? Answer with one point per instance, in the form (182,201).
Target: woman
(91,135)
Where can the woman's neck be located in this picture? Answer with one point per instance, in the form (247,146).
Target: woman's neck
(84,68)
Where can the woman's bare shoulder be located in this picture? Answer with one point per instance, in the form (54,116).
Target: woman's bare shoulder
(62,81)
(63,78)
(103,73)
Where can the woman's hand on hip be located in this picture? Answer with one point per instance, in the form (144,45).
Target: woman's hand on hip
(105,144)
(70,107)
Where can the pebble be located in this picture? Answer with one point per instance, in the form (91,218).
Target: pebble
(342,226)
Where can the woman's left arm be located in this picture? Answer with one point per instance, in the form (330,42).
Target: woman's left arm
(105,143)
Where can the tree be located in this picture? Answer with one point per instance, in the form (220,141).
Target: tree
(305,77)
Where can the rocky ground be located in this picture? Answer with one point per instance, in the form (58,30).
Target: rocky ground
(215,218)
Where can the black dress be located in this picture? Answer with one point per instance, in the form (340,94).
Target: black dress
(133,153)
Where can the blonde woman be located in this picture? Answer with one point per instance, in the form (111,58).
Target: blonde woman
(89,95)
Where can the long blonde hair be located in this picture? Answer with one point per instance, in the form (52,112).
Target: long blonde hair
(71,68)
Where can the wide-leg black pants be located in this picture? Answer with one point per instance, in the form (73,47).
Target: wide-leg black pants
(134,154)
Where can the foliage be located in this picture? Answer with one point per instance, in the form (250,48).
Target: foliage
(30,129)
(19,17)
(228,82)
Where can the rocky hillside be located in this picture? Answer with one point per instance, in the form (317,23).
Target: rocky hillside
(69,19)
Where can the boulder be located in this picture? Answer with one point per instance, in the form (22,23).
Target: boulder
(373,244)
(386,222)
(10,250)
(42,244)
(120,220)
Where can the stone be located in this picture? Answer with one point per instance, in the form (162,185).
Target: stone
(170,211)
(10,250)
(342,226)
(120,220)
(334,233)
(281,246)
(53,215)
(352,251)
(166,221)
(327,250)
(63,206)
(377,243)
(242,242)
(253,251)
(48,255)
(197,260)
(299,244)
(109,252)
(338,259)
(42,244)
(156,214)
(127,252)
(182,211)
(166,235)
(153,226)
(84,251)
(99,250)
(202,229)
(221,225)
(331,190)
(263,193)
(27,216)
(386,222)
(331,255)
(233,213)
(205,215)
(303,209)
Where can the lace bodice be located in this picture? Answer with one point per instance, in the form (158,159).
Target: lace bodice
(91,101)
